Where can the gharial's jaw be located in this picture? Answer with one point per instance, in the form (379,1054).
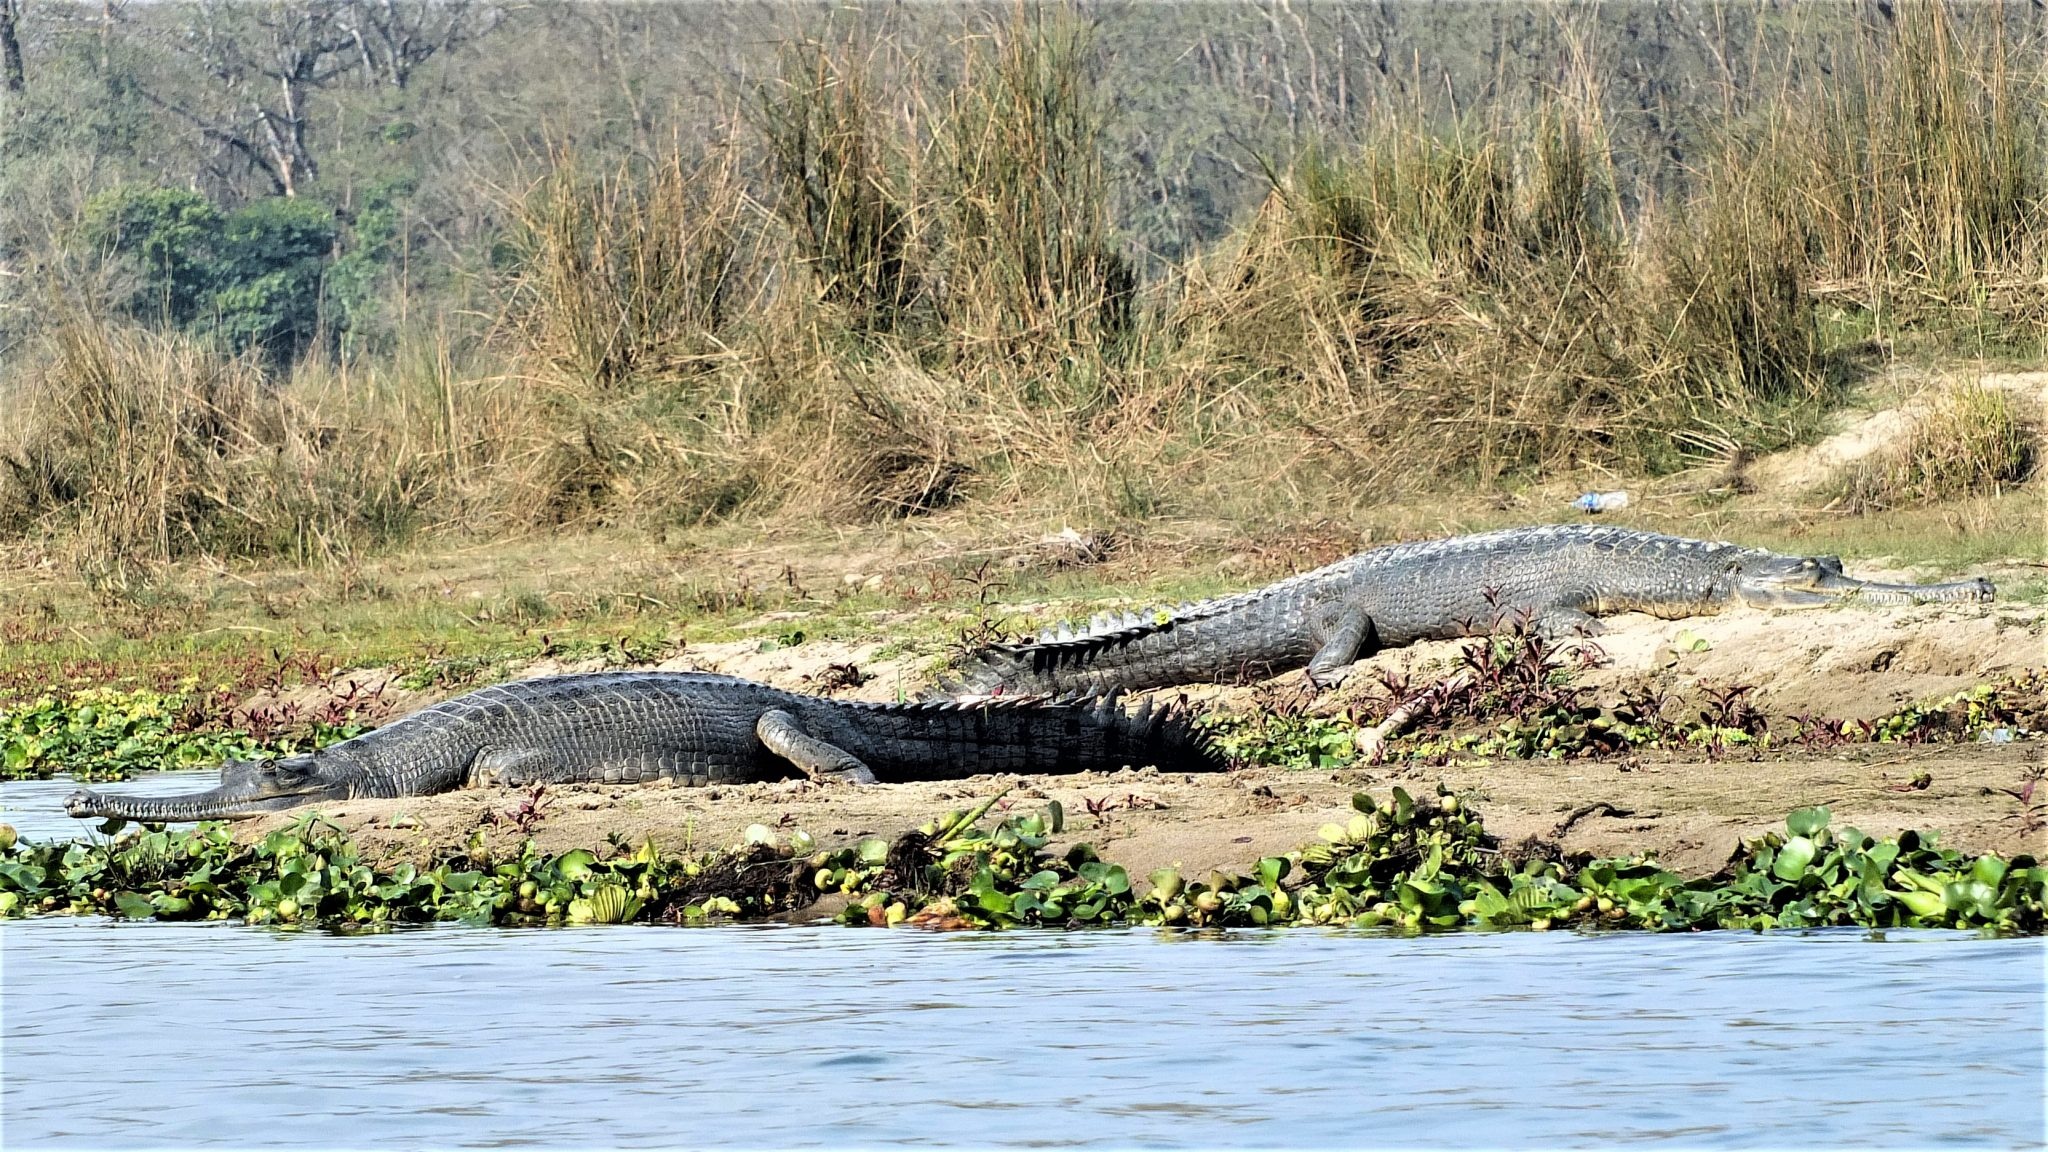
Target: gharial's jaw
(1812,585)
(245,791)
(214,804)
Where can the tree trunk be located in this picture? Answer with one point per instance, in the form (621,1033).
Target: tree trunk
(11,73)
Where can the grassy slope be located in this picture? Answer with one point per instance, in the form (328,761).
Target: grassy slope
(448,614)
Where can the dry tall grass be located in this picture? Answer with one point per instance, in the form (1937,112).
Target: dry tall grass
(853,312)
(1925,169)
(1967,441)
(145,447)
(632,274)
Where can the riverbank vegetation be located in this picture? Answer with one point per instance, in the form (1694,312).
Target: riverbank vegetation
(1024,283)
(1514,696)
(1519,696)
(1405,864)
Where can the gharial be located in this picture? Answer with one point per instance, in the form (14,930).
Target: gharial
(696,728)
(1557,578)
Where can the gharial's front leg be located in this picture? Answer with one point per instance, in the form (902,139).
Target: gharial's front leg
(510,768)
(782,735)
(1564,621)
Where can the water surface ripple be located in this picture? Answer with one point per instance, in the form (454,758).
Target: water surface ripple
(120,1034)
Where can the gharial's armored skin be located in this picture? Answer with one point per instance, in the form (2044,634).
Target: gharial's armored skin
(696,728)
(1557,578)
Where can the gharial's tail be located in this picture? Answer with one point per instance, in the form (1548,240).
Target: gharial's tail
(1040,734)
(1072,658)
(1166,734)
(997,670)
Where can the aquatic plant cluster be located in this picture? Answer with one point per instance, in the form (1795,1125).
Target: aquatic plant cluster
(1406,865)
(1516,695)
(312,873)
(1428,864)
(108,733)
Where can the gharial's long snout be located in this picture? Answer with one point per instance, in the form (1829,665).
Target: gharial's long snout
(1974,591)
(214,804)
(245,790)
(1797,582)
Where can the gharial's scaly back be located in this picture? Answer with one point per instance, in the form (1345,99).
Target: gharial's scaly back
(1066,644)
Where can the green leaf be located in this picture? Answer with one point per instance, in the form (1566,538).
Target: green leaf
(1922,904)
(1041,881)
(1118,881)
(1166,884)
(134,906)
(1807,821)
(1988,870)
(1488,904)
(572,866)
(1793,859)
(1971,897)
(1272,869)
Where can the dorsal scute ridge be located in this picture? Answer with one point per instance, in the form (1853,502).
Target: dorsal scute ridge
(1008,702)
(1131,625)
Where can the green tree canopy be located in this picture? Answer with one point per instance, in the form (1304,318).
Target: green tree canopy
(253,277)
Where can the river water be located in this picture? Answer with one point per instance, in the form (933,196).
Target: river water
(123,1034)
(120,1034)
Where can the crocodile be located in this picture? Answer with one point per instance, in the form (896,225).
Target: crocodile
(693,728)
(1554,578)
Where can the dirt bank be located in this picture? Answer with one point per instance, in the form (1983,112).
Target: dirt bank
(1689,810)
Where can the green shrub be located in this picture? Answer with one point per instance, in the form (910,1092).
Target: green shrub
(251,277)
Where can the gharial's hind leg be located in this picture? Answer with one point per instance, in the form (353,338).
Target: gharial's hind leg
(782,735)
(1343,639)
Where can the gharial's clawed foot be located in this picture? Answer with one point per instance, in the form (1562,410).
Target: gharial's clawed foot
(1327,680)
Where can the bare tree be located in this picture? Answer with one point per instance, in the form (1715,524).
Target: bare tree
(264,63)
(393,37)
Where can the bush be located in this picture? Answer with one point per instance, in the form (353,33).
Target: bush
(1967,441)
(267,274)
(166,235)
(251,278)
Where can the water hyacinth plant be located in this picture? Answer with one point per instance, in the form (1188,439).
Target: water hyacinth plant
(111,733)
(311,873)
(1410,865)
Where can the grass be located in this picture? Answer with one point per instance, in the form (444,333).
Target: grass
(445,618)
(856,309)
(1966,440)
